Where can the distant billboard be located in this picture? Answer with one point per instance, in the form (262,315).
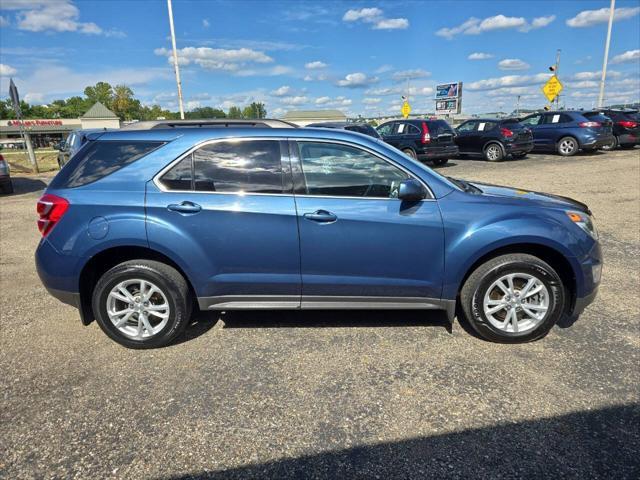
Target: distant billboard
(449,90)
(452,105)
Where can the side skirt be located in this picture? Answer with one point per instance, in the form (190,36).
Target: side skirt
(308,302)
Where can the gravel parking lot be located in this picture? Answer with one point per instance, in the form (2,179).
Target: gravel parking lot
(331,394)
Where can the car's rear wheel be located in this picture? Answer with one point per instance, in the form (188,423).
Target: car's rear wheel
(440,161)
(611,145)
(142,304)
(493,152)
(410,153)
(568,146)
(513,298)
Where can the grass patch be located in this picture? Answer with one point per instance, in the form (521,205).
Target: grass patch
(19,161)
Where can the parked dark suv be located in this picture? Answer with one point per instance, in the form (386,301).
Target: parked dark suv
(494,139)
(424,140)
(363,128)
(626,128)
(567,132)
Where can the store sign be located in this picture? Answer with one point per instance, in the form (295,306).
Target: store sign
(34,123)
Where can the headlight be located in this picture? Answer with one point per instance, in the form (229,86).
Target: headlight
(585,222)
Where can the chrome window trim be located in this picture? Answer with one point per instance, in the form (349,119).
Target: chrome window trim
(156,178)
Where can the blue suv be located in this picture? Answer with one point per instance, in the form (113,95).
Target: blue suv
(567,132)
(143,226)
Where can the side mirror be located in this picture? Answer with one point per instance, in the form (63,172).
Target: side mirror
(411,190)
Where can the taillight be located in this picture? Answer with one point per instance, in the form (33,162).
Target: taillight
(426,137)
(50,208)
(628,124)
(589,124)
(506,132)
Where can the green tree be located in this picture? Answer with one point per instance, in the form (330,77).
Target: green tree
(255,110)
(101,92)
(234,112)
(123,103)
(205,112)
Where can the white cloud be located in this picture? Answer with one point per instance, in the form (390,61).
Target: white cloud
(282,91)
(54,16)
(315,65)
(34,98)
(371,101)
(356,80)
(413,91)
(508,81)
(475,26)
(322,100)
(229,60)
(375,17)
(479,56)
(6,70)
(364,14)
(392,24)
(265,72)
(4,22)
(583,84)
(295,100)
(628,56)
(594,75)
(410,74)
(383,69)
(205,23)
(513,64)
(588,18)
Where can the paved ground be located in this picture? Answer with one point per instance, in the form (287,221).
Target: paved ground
(331,394)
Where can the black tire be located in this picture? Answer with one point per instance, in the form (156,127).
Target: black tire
(479,282)
(172,284)
(611,146)
(494,152)
(567,146)
(410,153)
(440,161)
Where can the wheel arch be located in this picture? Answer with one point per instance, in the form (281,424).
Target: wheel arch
(548,254)
(110,257)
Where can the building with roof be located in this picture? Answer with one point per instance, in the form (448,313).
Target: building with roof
(49,131)
(305,117)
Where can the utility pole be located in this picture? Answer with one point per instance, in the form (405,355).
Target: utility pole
(518,106)
(15,99)
(175,60)
(612,10)
(556,74)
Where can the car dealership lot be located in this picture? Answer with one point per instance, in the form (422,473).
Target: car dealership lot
(331,394)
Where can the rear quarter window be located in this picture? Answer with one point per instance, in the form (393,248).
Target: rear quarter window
(97,159)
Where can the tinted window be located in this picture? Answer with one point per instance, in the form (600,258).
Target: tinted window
(530,121)
(341,170)
(180,176)
(486,126)
(248,166)
(439,127)
(363,128)
(385,129)
(97,159)
(467,127)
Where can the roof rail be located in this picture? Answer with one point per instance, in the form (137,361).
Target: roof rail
(209,123)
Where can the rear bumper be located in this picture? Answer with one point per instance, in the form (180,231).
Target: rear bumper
(597,142)
(447,152)
(629,139)
(516,148)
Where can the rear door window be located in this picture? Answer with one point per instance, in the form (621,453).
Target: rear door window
(386,129)
(467,127)
(97,159)
(531,121)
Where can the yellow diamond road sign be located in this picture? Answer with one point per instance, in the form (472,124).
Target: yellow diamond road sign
(552,88)
(406,109)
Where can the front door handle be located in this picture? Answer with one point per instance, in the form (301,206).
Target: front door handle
(321,216)
(184,207)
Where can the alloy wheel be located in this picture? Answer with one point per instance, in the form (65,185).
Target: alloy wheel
(493,152)
(138,308)
(567,146)
(516,303)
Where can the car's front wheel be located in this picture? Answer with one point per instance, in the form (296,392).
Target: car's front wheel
(142,303)
(513,298)
(410,153)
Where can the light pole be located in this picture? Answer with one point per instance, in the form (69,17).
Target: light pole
(612,10)
(175,59)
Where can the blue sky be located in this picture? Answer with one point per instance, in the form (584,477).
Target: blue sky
(355,56)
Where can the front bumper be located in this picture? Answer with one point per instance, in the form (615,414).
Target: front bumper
(591,275)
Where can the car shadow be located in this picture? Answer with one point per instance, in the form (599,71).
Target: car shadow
(596,443)
(22,185)
(203,321)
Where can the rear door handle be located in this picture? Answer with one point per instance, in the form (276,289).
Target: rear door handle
(321,216)
(184,207)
